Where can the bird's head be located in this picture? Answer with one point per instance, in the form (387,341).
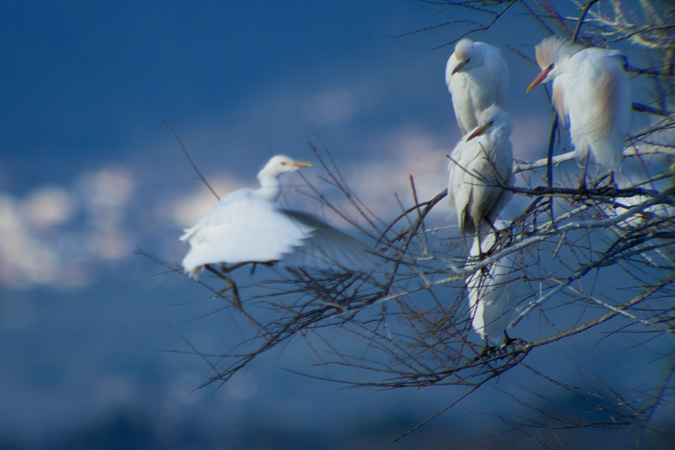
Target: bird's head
(550,53)
(466,56)
(492,117)
(280,164)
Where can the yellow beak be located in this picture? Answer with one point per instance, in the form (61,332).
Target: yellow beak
(297,164)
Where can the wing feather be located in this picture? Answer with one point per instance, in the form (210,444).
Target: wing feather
(328,247)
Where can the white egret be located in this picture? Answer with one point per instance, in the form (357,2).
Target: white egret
(477,77)
(491,293)
(247,226)
(591,94)
(480,167)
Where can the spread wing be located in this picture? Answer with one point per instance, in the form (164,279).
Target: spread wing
(328,247)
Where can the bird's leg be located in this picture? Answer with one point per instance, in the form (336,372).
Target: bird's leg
(477,227)
(226,269)
(582,182)
(231,285)
(612,181)
(255,264)
(508,341)
(480,250)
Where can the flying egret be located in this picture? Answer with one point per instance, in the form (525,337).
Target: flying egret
(246,226)
(591,93)
(480,167)
(491,293)
(477,77)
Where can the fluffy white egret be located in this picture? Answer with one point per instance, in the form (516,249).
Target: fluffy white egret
(479,168)
(591,93)
(247,226)
(491,293)
(477,77)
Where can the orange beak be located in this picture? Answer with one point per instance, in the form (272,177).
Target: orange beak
(479,131)
(459,66)
(543,74)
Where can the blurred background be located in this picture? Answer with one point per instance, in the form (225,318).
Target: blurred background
(93,333)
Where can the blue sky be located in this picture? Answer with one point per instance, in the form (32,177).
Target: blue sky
(89,82)
(88,172)
(82,80)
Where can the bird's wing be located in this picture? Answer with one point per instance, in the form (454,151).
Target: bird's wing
(476,173)
(241,228)
(598,104)
(328,247)
(496,171)
(611,110)
(461,182)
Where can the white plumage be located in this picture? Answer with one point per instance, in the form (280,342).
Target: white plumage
(247,226)
(591,94)
(479,167)
(491,293)
(477,77)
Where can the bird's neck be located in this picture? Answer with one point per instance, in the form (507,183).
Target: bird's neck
(270,187)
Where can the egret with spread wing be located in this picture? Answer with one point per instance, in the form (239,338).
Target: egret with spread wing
(480,169)
(591,94)
(247,226)
(477,77)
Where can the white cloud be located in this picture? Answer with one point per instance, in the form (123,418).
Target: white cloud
(47,206)
(331,105)
(59,235)
(56,235)
(186,210)
(401,153)
(105,194)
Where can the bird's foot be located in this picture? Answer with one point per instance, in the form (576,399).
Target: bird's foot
(488,352)
(231,286)
(510,342)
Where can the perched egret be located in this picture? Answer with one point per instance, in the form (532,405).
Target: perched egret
(480,167)
(591,93)
(477,77)
(491,293)
(247,226)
